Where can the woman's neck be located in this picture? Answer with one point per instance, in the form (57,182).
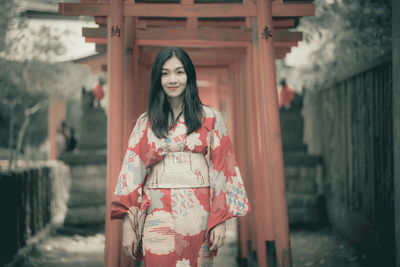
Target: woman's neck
(176,105)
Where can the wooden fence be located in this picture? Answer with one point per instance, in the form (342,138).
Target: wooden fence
(350,124)
(30,199)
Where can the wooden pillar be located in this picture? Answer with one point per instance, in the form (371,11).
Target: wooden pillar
(274,141)
(229,104)
(192,22)
(56,116)
(252,150)
(131,97)
(113,255)
(240,147)
(396,120)
(263,220)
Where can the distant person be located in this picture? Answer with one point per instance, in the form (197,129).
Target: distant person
(286,95)
(71,141)
(61,141)
(98,92)
(179,180)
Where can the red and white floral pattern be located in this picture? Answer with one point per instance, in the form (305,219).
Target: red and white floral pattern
(179,220)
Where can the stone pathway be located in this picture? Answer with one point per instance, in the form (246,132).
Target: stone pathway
(68,251)
(309,248)
(323,248)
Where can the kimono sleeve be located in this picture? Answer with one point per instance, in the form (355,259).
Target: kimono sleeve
(228,195)
(127,198)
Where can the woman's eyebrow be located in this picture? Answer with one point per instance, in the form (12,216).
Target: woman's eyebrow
(175,68)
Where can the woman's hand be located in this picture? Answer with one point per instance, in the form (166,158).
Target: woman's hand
(217,236)
(129,243)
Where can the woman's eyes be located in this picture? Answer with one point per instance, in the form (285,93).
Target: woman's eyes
(179,72)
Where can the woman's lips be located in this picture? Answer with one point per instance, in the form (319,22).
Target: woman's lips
(173,88)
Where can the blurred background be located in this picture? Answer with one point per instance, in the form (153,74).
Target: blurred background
(335,92)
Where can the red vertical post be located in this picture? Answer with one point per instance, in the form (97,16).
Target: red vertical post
(263,221)
(251,148)
(274,141)
(192,22)
(131,96)
(240,148)
(115,44)
(228,99)
(56,115)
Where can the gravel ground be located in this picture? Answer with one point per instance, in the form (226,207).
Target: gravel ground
(309,248)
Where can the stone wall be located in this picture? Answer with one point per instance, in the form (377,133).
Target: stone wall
(30,199)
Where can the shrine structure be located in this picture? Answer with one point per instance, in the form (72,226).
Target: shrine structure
(233,44)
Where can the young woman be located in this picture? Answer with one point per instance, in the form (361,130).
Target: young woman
(179,180)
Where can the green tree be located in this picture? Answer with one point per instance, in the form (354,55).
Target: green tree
(28,79)
(342,35)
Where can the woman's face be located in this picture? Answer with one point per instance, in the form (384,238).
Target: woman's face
(173,78)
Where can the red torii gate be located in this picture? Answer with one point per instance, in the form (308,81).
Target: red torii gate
(241,43)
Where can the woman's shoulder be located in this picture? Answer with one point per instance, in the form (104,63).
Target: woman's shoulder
(216,120)
(142,116)
(210,112)
(141,120)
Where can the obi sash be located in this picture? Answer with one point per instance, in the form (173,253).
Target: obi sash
(180,170)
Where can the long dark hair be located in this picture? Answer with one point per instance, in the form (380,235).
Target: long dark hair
(159,110)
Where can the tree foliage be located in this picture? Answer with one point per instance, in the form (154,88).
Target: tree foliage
(29,80)
(342,35)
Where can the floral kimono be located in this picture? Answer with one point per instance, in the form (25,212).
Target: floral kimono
(179,214)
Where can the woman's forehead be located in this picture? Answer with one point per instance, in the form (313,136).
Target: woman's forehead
(172,63)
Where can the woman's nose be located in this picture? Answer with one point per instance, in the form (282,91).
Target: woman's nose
(172,78)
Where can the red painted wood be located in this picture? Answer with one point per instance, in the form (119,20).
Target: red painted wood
(96,40)
(283,23)
(191,34)
(282,50)
(285,36)
(131,96)
(280,9)
(263,219)
(191,43)
(241,141)
(213,34)
(113,255)
(218,78)
(192,23)
(187,10)
(56,116)
(101,20)
(196,10)
(278,23)
(160,10)
(84,9)
(274,142)
(251,151)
